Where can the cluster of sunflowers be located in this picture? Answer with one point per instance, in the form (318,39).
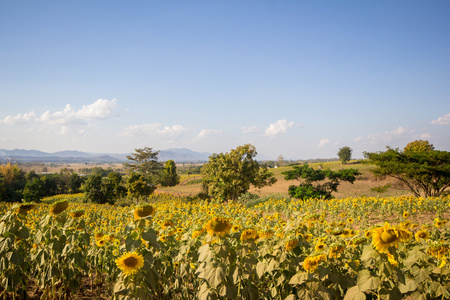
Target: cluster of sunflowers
(280,248)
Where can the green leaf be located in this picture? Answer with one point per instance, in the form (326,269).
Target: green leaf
(215,276)
(228,290)
(419,296)
(261,268)
(306,295)
(367,282)
(290,297)
(299,278)
(420,274)
(15,257)
(250,292)
(354,293)
(369,253)
(409,286)
(273,265)
(205,293)
(205,253)
(393,294)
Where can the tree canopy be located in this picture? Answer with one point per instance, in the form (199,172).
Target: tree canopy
(144,161)
(345,154)
(422,169)
(229,175)
(169,176)
(310,186)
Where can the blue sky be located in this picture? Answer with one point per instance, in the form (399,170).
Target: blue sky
(294,78)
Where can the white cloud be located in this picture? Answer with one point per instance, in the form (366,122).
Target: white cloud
(358,139)
(323,142)
(204,133)
(155,129)
(18,119)
(280,126)
(100,109)
(251,129)
(425,136)
(444,120)
(389,135)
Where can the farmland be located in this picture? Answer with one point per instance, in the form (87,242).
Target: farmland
(172,248)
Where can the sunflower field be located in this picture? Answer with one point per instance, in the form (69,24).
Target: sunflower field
(171,248)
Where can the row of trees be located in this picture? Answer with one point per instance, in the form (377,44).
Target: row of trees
(16,184)
(102,186)
(424,170)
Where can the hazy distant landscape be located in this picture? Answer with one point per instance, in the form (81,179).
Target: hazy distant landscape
(21,155)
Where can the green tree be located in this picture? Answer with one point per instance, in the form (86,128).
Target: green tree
(13,183)
(96,191)
(139,187)
(227,176)
(34,190)
(169,176)
(310,187)
(144,161)
(115,180)
(424,171)
(419,146)
(345,154)
(75,183)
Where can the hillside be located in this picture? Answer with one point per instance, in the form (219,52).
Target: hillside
(361,187)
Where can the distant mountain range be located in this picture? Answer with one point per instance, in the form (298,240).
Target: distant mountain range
(21,155)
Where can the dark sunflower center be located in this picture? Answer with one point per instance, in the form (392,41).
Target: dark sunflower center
(219,226)
(388,237)
(130,262)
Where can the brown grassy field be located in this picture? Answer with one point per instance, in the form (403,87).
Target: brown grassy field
(361,187)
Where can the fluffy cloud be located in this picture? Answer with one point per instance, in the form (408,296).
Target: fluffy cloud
(100,109)
(323,142)
(388,136)
(280,126)
(204,133)
(18,119)
(155,129)
(444,120)
(251,129)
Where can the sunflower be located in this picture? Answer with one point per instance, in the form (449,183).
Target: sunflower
(59,207)
(218,226)
(335,251)
(291,244)
(167,224)
(320,247)
(77,213)
(438,223)
(385,237)
(249,235)
(312,262)
(422,235)
(405,214)
(235,228)
(392,260)
(197,233)
(130,263)
(262,235)
(115,252)
(24,208)
(101,243)
(143,211)
(99,235)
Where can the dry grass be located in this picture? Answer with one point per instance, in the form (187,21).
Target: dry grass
(361,187)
